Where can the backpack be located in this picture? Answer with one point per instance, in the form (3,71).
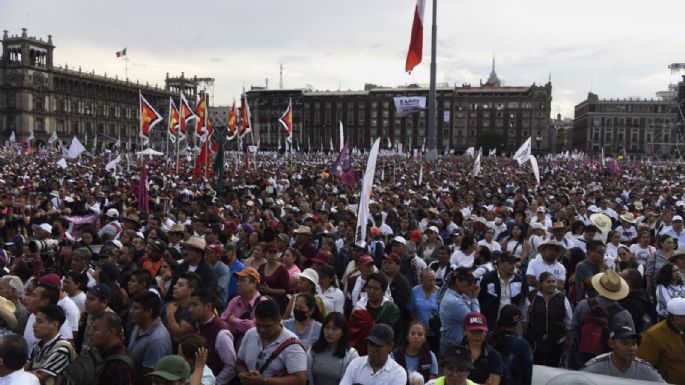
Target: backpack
(595,327)
(88,367)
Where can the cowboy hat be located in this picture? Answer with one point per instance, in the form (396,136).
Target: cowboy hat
(176,228)
(558,226)
(628,217)
(610,285)
(303,230)
(550,242)
(602,221)
(7,310)
(309,274)
(196,242)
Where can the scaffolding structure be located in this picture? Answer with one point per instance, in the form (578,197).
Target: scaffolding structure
(665,137)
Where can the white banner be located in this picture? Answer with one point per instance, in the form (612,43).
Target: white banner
(365,197)
(407,105)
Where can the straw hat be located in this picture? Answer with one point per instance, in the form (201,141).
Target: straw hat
(610,285)
(550,242)
(303,230)
(7,310)
(196,242)
(602,221)
(628,217)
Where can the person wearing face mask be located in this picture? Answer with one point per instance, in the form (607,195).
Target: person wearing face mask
(306,323)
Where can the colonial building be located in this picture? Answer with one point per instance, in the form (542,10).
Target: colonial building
(638,126)
(490,115)
(38,97)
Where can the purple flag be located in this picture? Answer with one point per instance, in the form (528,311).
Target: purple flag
(342,167)
(143,193)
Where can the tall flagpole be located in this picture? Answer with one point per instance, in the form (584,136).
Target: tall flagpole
(431,151)
(181,123)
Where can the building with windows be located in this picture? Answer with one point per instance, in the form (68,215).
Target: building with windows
(38,97)
(639,126)
(490,115)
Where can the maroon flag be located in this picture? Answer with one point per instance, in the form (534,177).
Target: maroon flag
(342,167)
(143,193)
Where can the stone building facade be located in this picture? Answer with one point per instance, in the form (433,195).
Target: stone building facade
(490,115)
(38,97)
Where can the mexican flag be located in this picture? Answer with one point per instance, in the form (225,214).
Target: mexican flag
(121,53)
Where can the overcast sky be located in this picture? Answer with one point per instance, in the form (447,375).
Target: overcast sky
(614,48)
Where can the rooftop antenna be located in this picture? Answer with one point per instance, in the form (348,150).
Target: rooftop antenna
(280,81)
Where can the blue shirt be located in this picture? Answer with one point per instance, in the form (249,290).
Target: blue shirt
(422,307)
(236,267)
(453,309)
(679,238)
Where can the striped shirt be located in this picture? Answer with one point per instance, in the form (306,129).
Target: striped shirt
(52,356)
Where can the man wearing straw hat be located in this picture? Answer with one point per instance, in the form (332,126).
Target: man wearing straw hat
(611,288)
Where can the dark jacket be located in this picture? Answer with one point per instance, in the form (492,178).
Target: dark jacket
(204,270)
(637,305)
(491,291)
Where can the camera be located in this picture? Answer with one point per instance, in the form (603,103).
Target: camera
(48,245)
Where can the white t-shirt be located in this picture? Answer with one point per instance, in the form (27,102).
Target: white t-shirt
(80,301)
(71,311)
(493,246)
(538,266)
(641,255)
(460,259)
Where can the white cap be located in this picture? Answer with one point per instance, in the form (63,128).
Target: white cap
(676,306)
(112,213)
(677,218)
(117,243)
(45,227)
(400,239)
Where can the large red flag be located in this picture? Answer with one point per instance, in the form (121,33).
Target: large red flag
(416,43)
(201,112)
(187,114)
(174,119)
(287,121)
(148,118)
(245,125)
(232,123)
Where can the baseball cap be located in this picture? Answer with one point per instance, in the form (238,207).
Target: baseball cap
(112,213)
(101,291)
(393,257)
(400,239)
(457,355)
(249,272)
(676,306)
(365,260)
(171,368)
(43,226)
(215,248)
(475,321)
(51,279)
(381,334)
(624,333)
(677,218)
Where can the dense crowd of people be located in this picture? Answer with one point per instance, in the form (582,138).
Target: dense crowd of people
(266,279)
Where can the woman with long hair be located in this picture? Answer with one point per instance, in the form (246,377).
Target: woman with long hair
(428,249)
(665,245)
(549,318)
(465,256)
(516,243)
(333,298)
(305,323)
(275,281)
(669,285)
(416,355)
(329,355)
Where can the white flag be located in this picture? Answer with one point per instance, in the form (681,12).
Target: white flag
(603,160)
(342,139)
(421,175)
(62,163)
(521,155)
(365,197)
(470,152)
(492,152)
(13,138)
(53,137)
(75,149)
(113,164)
(536,169)
(476,164)
(31,137)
